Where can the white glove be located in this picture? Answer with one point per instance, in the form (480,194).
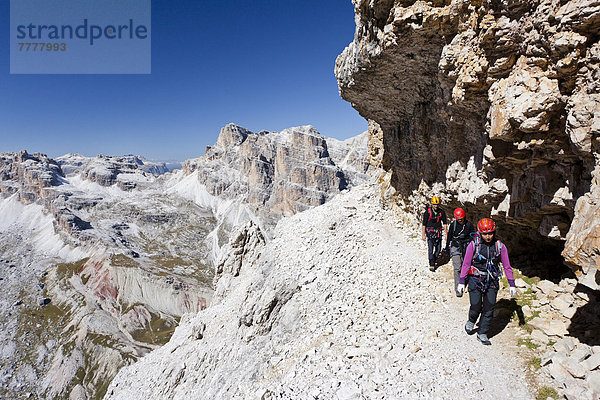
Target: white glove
(513,291)
(460,288)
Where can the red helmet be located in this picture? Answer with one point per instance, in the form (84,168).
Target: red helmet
(486,225)
(459,213)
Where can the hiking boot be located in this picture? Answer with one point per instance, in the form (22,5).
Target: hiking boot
(482,337)
(470,327)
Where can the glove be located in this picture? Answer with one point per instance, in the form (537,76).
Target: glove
(513,291)
(460,288)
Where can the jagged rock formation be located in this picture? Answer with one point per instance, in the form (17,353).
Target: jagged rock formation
(125,171)
(495,106)
(242,249)
(333,307)
(279,173)
(33,179)
(28,175)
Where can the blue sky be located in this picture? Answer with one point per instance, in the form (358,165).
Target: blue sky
(263,64)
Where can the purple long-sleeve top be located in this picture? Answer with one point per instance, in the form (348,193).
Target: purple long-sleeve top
(503,259)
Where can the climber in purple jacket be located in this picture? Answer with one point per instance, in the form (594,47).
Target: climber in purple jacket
(481,265)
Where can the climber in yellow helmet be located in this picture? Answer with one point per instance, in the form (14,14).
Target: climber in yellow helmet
(434,221)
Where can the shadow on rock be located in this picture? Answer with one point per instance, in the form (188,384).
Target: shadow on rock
(503,313)
(585,324)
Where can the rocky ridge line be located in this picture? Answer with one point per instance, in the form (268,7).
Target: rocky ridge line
(334,306)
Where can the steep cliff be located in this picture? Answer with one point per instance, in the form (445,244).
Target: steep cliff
(495,107)
(279,173)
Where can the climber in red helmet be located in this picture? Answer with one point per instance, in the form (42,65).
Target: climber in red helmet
(457,240)
(481,269)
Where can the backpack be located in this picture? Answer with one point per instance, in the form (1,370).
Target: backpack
(477,245)
(437,218)
(433,233)
(492,271)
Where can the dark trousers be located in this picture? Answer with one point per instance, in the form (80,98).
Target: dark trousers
(434,246)
(482,303)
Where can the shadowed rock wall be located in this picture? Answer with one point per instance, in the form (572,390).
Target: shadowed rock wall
(495,107)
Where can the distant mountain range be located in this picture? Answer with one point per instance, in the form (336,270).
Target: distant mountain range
(102,255)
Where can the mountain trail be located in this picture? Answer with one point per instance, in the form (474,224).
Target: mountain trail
(339,305)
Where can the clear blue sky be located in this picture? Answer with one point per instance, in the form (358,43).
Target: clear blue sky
(263,64)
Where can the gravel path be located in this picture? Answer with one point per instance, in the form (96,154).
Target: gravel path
(340,305)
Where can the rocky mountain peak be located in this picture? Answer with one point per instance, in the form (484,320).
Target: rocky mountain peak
(278,173)
(232,135)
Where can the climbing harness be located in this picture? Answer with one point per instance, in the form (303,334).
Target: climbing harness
(434,233)
(487,269)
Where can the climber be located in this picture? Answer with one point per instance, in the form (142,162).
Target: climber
(434,220)
(457,240)
(481,269)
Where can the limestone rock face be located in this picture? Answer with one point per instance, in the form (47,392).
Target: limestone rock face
(244,247)
(495,107)
(28,175)
(279,173)
(124,171)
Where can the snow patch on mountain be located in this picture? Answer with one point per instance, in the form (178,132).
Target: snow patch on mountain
(30,221)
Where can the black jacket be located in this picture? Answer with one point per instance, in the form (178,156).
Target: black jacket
(432,219)
(460,235)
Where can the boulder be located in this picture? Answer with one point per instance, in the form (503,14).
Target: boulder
(44,301)
(568,313)
(593,381)
(521,284)
(582,352)
(592,362)
(575,368)
(539,337)
(549,327)
(562,302)
(579,392)
(547,287)
(558,372)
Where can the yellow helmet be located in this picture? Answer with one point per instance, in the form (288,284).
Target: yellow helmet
(435,200)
